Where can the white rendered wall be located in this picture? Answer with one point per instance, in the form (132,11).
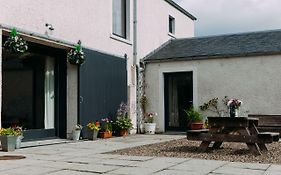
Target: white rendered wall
(254,80)
(153,25)
(91,22)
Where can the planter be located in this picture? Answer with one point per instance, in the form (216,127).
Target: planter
(92,134)
(149,128)
(76,134)
(8,143)
(123,132)
(197,125)
(18,141)
(105,134)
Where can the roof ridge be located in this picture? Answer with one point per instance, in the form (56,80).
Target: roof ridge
(230,34)
(181,9)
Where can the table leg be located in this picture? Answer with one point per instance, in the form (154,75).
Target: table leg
(262,147)
(217,145)
(204,146)
(253,147)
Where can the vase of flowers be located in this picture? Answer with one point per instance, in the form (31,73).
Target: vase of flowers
(76,132)
(106,128)
(93,130)
(234,106)
(150,125)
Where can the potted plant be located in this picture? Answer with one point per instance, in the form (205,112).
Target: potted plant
(15,43)
(123,124)
(76,132)
(195,118)
(76,56)
(19,135)
(93,130)
(149,124)
(8,139)
(106,128)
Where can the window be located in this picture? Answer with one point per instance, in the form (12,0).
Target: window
(120,18)
(171,25)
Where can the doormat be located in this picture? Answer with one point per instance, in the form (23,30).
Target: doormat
(12,157)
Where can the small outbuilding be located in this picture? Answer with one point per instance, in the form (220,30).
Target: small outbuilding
(191,71)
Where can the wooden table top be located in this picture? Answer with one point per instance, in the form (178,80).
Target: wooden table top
(230,121)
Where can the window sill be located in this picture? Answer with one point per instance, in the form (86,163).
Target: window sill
(117,38)
(172,35)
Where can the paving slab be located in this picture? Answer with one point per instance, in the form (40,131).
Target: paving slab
(133,171)
(199,166)
(252,166)
(177,172)
(30,170)
(94,157)
(70,172)
(237,171)
(274,168)
(134,158)
(94,168)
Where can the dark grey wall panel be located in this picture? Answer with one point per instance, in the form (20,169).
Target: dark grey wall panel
(102,87)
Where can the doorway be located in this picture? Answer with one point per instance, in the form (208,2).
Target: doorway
(178,97)
(34,91)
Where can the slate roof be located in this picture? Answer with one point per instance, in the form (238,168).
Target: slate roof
(171,2)
(233,45)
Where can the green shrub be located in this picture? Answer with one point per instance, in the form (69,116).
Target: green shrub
(193,115)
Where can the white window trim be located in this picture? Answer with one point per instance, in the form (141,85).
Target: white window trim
(118,38)
(173,25)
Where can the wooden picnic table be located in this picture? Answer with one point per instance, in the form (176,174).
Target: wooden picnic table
(233,129)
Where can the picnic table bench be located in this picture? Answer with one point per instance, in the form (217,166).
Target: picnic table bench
(238,129)
(268,123)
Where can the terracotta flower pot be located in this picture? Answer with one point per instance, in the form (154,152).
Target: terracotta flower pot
(123,132)
(105,134)
(197,125)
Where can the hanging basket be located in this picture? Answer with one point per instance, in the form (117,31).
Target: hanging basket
(15,43)
(76,56)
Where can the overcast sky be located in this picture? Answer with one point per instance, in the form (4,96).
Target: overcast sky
(233,16)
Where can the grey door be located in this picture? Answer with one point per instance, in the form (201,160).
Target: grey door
(102,86)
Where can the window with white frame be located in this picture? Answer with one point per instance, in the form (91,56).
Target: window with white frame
(120,18)
(171,25)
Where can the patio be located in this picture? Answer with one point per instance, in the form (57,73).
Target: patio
(87,158)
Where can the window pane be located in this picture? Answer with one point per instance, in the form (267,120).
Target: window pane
(119,18)
(171,25)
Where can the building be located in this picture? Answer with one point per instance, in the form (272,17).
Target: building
(191,71)
(53,95)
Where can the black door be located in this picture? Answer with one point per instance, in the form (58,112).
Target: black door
(102,86)
(178,97)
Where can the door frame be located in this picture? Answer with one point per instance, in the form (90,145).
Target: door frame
(167,99)
(168,68)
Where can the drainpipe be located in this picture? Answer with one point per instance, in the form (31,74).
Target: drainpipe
(135,58)
(1,98)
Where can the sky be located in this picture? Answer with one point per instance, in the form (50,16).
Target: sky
(215,17)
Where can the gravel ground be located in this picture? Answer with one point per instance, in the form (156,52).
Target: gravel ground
(183,148)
